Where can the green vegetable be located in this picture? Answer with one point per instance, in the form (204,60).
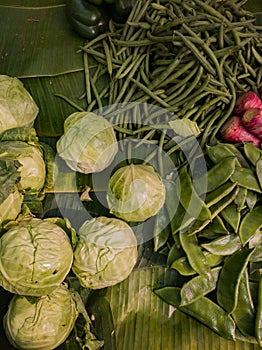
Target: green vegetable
(35,257)
(86,19)
(135,192)
(250,225)
(184,56)
(105,252)
(230,277)
(40,323)
(17,107)
(199,286)
(203,309)
(88,144)
(90,18)
(258,317)
(244,314)
(33,167)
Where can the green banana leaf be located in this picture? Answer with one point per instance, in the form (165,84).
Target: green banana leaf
(34,40)
(143,321)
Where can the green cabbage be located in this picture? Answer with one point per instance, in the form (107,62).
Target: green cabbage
(105,253)
(88,144)
(40,323)
(135,192)
(10,198)
(11,207)
(35,257)
(33,167)
(17,107)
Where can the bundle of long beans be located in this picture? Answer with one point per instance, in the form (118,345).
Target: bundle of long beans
(190,57)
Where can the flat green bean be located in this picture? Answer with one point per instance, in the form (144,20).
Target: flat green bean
(194,253)
(244,314)
(240,200)
(199,286)
(182,266)
(252,153)
(190,199)
(246,177)
(232,216)
(203,309)
(225,245)
(258,320)
(250,224)
(232,271)
(219,193)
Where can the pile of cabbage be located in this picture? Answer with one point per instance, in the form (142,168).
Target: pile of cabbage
(39,255)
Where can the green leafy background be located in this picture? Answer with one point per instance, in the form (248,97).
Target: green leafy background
(38,46)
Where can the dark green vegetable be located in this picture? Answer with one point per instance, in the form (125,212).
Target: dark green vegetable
(250,224)
(203,309)
(244,314)
(194,254)
(190,199)
(199,286)
(258,321)
(246,177)
(184,268)
(90,18)
(225,245)
(85,18)
(229,280)
(232,216)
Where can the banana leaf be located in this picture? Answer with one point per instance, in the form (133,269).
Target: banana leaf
(142,321)
(37,40)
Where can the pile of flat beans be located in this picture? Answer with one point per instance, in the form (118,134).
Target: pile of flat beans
(216,243)
(190,57)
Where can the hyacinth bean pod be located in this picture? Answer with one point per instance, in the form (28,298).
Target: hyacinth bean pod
(190,200)
(233,269)
(246,177)
(203,309)
(250,225)
(183,266)
(224,245)
(194,254)
(199,286)
(258,320)
(244,313)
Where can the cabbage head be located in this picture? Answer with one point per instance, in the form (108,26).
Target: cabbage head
(88,144)
(35,257)
(105,253)
(11,198)
(11,207)
(33,167)
(17,107)
(40,323)
(135,192)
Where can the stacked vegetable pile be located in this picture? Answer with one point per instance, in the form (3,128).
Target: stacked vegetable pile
(172,75)
(191,58)
(218,251)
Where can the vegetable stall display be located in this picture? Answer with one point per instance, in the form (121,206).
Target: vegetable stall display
(174,75)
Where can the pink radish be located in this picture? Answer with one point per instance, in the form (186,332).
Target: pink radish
(234,131)
(252,121)
(246,101)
